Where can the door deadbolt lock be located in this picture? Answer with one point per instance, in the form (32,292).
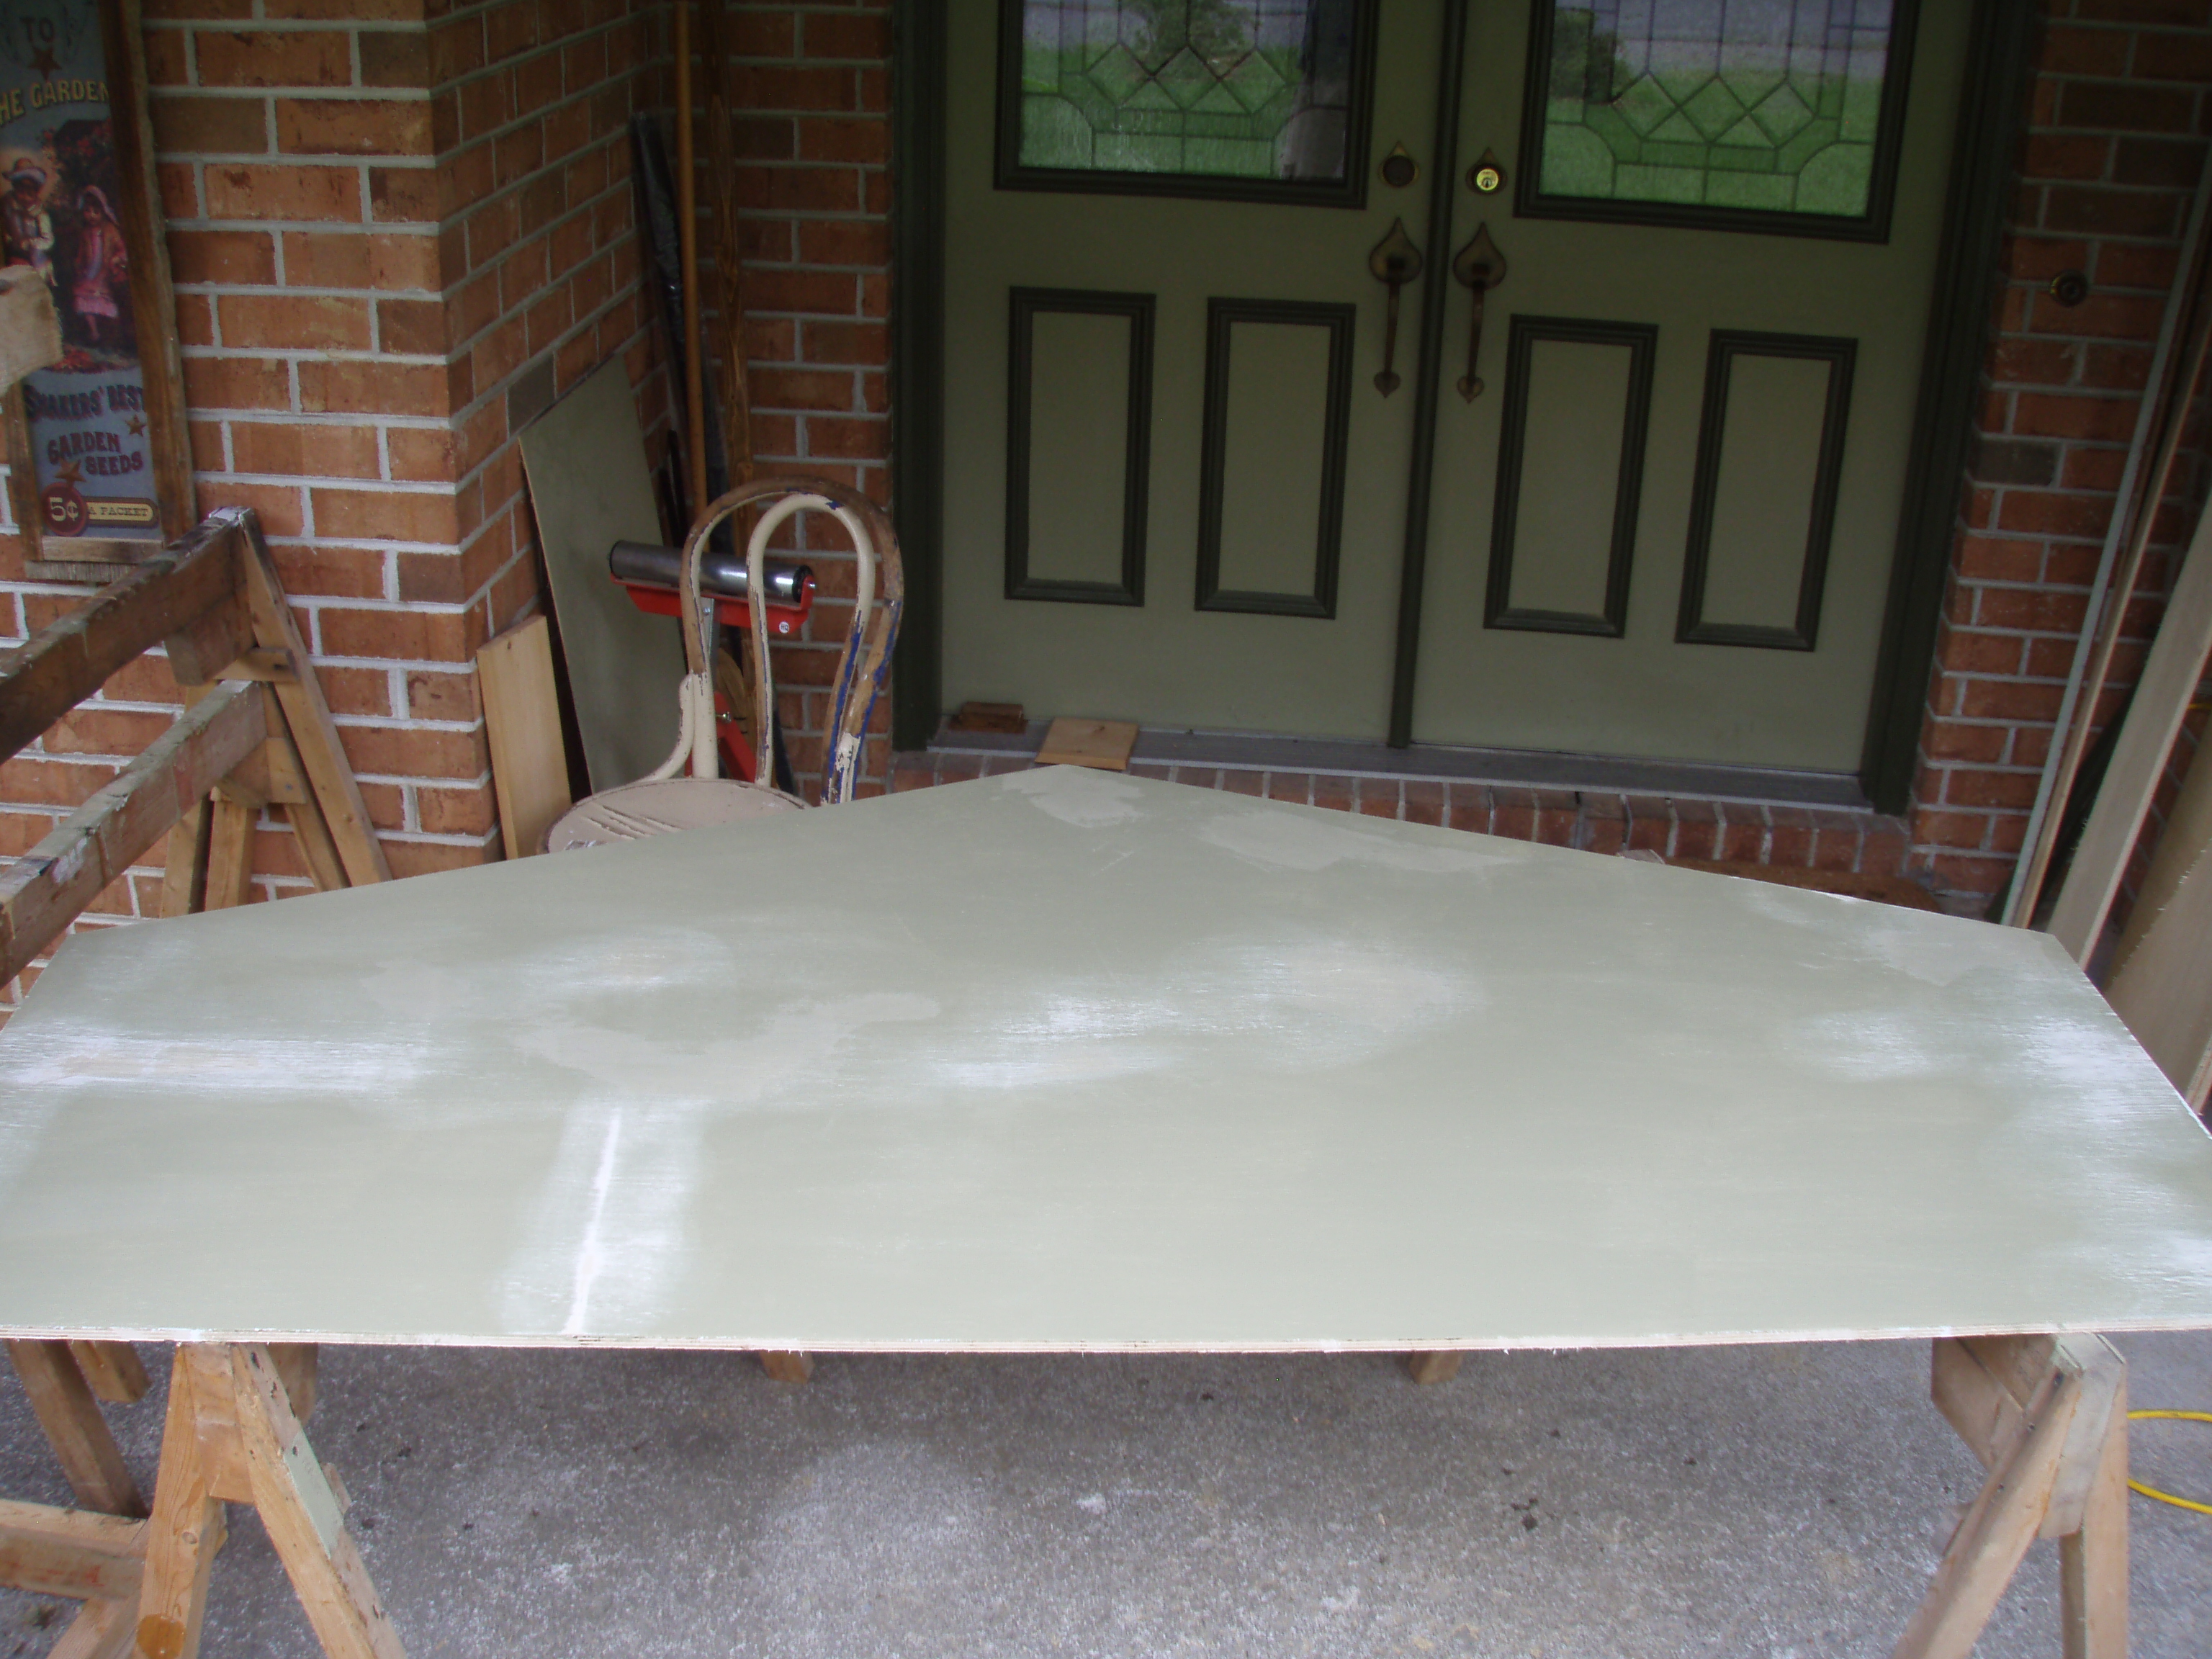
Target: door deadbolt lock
(1487,176)
(1400,169)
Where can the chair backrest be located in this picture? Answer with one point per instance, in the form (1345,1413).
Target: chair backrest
(863,667)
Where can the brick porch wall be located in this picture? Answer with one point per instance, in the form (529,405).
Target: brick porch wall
(395,237)
(813,141)
(2122,94)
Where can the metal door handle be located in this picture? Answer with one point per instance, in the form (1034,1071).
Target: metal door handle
(1481,267)
(1394,262)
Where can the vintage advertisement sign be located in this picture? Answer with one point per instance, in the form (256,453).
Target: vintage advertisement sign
(61,188)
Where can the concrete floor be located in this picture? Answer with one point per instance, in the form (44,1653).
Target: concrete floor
(1778,1503)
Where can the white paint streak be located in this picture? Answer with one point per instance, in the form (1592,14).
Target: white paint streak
(588,1254)
(1292,841)
(1079,795)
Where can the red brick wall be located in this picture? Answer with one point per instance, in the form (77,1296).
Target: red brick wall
(813,84)
(2121,91)
(395,237)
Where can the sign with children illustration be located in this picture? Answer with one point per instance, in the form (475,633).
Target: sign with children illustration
(87,416)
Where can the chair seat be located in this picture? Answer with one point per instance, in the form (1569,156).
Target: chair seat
(661,807)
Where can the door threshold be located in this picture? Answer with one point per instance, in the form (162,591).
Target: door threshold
(1526,768)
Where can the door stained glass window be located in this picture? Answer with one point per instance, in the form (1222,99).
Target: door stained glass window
(1201,97)
(1714,111)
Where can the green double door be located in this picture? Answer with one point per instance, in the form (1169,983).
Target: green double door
(1688,250)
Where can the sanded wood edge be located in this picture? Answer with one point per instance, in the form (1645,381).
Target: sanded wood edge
(49,886)
(522,722)
(76,1552)
(71,658)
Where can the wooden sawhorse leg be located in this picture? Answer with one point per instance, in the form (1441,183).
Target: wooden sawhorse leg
(232,1436)
(2048,1417)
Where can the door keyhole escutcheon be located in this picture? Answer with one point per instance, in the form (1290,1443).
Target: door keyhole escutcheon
(1394,262)
(1480,267)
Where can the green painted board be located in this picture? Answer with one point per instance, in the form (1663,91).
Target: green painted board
(1067,1059)
(589,488)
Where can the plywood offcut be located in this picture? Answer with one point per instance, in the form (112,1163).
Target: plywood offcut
(584,459)
(1068,1060)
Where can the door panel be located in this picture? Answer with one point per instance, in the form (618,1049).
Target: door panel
(1665,496)
(1571,459)
(1769,452)
(1748,694)
(1078,446)
(1264,654)
(1271,477)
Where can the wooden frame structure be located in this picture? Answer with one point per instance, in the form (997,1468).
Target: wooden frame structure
(256,733)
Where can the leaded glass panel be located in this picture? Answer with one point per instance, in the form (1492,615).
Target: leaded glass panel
(1760,106)
(1230,90)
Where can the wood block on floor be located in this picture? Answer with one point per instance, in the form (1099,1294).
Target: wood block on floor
(1104,744)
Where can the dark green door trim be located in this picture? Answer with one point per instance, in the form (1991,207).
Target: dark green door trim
(1428,370)
(917,368)
(1992,110)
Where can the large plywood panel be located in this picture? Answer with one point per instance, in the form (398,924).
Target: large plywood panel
(1071,1060)
(1078,446)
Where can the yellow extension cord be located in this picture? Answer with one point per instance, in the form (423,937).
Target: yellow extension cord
(2167,1496)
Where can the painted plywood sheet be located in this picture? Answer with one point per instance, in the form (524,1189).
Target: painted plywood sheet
(1069,1059)
(589,488)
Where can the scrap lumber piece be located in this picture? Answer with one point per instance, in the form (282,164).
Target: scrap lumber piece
(112,1371)
(104,1629)
(230,855)
(1105,744)
(589,488)
(2169,680)
(70,1417)
(184,874)
(522,720)
(313,735)
(49,886)
(71,658)
(2161,978)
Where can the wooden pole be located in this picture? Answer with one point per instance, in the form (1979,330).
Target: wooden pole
(687,230)
(729,254)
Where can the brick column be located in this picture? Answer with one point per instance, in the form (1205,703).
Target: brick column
(2122,89)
